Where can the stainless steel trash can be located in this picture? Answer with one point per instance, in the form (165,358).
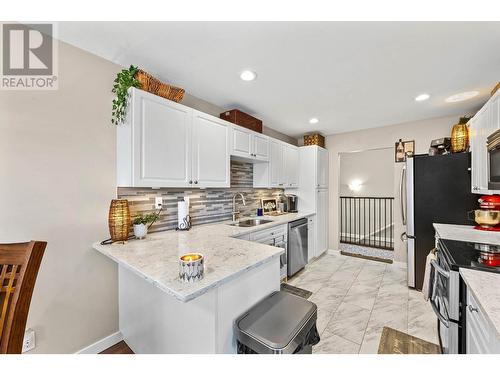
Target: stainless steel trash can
(282,323)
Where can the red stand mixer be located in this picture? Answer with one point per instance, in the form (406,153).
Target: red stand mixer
(488,215)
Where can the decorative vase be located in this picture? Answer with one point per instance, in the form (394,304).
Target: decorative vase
(460,137)
(140,231)
(119,220)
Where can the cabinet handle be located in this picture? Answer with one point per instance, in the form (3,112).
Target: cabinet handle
(196,182)
(190,181)
(472,308)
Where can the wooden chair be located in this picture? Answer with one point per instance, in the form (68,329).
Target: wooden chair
(19,264)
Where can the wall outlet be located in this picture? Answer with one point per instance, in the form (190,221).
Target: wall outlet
(29,340)
(158,202)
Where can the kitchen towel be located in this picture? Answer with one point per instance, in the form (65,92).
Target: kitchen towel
(427,275)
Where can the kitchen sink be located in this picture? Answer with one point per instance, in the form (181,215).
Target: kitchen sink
(250,222)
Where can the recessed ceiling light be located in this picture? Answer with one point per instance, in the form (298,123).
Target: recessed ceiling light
(461,97)
(314,120)
(248,75)
(422,97)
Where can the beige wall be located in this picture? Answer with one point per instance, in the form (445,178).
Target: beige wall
(58,175)
(420,131)
(276,134)
(214,110)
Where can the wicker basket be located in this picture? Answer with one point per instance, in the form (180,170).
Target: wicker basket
(314,139)
(155,86)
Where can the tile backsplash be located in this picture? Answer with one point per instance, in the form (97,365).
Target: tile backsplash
(206,205)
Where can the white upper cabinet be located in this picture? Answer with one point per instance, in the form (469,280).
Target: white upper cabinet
(261,147)
(322,168)
(282,171)
(210,145)
(291,166)
(248,144)
(276,162)
(483,124)
(166,144)
(241,142)
(160,136)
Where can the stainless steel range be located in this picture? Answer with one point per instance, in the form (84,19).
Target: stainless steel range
(448,291)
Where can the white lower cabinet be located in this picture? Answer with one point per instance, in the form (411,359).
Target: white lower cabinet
(480,335)
(311,237)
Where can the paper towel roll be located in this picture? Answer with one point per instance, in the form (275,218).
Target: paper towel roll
(182,213)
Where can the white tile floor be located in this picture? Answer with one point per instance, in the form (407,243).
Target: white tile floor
(356,298)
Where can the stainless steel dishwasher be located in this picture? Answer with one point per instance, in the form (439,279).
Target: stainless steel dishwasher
(297,246)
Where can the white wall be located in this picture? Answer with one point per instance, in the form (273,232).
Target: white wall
(422,132)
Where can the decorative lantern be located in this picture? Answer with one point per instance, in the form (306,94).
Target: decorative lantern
(119,220)
(460,136)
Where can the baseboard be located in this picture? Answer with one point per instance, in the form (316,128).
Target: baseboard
(102,344)
(333,252)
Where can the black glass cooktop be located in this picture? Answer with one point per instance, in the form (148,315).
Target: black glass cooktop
(461,254)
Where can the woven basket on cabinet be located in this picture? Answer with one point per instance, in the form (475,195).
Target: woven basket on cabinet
(155,86)
(314,139)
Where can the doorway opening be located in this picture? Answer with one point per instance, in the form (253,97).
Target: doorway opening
(366,204)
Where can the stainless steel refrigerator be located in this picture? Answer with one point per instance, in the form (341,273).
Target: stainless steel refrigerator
(433,189)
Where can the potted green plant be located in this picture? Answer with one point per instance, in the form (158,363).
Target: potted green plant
(123,81)
(140,224)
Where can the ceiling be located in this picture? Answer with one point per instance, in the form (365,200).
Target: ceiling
(350,75)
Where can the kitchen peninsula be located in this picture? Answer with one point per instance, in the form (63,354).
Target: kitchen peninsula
(161,314)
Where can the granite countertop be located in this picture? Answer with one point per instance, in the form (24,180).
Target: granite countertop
(466,233)
(484,287)
(156,258)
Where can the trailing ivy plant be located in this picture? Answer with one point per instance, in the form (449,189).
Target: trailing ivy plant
(124,80)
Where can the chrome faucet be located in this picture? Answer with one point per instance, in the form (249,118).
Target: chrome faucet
(237,213)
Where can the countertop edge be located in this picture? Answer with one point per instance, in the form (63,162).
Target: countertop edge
(465,233)
(188,297)
(466,274)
